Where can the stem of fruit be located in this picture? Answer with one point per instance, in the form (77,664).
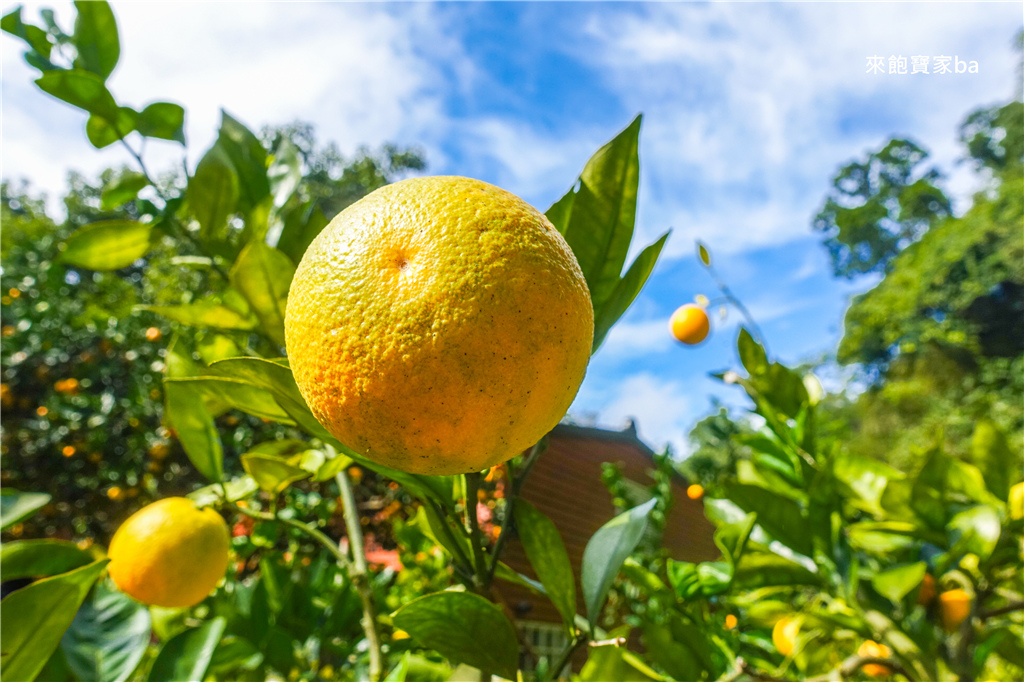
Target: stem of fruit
(731,298)
(358,573)
(472,487)
(515,487)
(566,655)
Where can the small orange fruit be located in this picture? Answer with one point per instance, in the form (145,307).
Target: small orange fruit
(689,324)
(784,634)
(926,592)
(954,607)
(730,622)
(872,649)
(170,553)
(695,491)
(439,325)
(153,334)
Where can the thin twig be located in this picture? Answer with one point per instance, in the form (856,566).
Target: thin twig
(1002,610)
(472,485)
(729,296)
(309,530)
(359,574)
(514,489)
(563,660)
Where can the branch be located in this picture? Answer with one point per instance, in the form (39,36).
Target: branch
(1002,610)
(472,485)
(515,487)
(854,663)
(358,574)
(563,660)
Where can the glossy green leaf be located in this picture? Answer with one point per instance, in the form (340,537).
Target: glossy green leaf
(752,354)
(779,516)
(331,467)
(163,120)
(626,290)
(213,192)
(896,583)
(35,618)
(271,473)
(234,654)
(35,37)
(547,554)
(732,538)
(187,656)
(205,315)
(681,649)
(263,275)
(605,552)
(400,671)
(185,411)
(32,558)
(866,479)
(95,38)
(120,192)
(463,627)
(103,132)
(82,89)
(598,221)
(975,530)
(301,226)
(236,394)
(237,489)
(107,245)
(764,569)
(248,159)
(107,638)
(17,506)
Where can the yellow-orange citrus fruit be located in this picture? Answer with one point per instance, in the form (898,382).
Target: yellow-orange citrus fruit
(439,325)
(695,491)
(1016,501)
(784,634)
(689,324)
(730,622)
(954,607)
(872,649)
(170,553)
(926,592)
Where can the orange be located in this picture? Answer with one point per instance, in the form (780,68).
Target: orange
(689,324)
(695,491)
(784,634)
(954,607)
(439,325)
(730,622)
(926,592)
(170,553)
(872,649)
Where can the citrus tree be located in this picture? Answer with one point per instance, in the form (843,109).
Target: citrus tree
(240,224)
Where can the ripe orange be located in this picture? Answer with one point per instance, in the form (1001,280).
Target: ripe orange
(872,649)
(784,634)
(689,324)
(439,325)
(695,491)
(926,592)
(170,553)
(730,622)
(954,607)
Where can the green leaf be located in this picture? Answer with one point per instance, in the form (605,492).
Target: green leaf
(601,215)
(763,569)
(249,160)
(102,132)
(626,290)
(35,617)
(779,516)
(546,552)
(188,415)
(463,627)
(331,467)
(96,39)
(896,583)
(237,489)
(606,551)
(263,275)
(975,531)
(187,656)
(36,38)
(107,638)
(752,354)
(993,456)
(300,228)
(234,654)
(928,495)
(125,189)
(703,254)
(82,89)
(285,172)
(400,671)
(866,478)
(271,473)
(236,394)
(205,315)
(680,648)
(213,192)
(17,506)
(31,558)
(107,244)
(605,663)
(163,120)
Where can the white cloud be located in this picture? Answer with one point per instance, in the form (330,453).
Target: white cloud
(660,408)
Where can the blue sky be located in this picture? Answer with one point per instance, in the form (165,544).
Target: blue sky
(748,111)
